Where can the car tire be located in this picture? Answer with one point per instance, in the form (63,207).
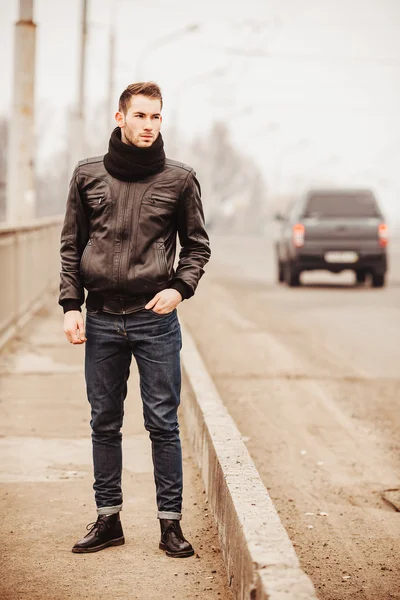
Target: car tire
(378,280)
(292,275)
(361,276)
(281,272)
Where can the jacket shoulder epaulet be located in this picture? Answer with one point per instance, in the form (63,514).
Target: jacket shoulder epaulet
(176,163)
(92,159)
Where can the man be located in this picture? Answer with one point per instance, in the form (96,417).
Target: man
(123,214)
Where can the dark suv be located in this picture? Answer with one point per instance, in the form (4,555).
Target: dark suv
(333,230)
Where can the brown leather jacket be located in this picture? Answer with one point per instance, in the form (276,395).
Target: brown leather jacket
(119,238)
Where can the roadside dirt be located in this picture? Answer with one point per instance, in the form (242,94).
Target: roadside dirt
(46,496)
(311,378)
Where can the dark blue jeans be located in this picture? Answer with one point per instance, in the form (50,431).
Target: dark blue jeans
(155,342)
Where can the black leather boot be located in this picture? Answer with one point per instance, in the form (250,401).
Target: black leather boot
(172,540)
(106,531)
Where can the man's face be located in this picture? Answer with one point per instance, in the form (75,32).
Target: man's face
(142,122)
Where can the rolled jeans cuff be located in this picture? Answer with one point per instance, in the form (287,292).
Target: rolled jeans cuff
(169,515)
(109,510)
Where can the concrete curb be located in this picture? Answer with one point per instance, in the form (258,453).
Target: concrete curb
(259,556)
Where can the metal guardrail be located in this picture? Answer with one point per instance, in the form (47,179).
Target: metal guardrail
(29,270)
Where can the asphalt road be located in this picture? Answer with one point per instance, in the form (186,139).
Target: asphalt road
(311,377)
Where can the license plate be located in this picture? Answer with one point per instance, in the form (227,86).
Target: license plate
(341,257)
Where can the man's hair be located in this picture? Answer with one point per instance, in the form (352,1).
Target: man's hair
(146,88)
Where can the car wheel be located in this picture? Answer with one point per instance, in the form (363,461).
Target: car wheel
(292,275)
(281,273)
(360,276)
(378,279)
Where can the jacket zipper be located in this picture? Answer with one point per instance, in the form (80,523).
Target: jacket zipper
(137,199)
(124,205)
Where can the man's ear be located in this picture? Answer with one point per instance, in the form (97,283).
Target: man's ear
(120,118)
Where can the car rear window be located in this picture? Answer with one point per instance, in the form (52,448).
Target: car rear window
(350,205)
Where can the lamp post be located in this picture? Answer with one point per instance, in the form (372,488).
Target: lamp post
(111,78)
(77,114)
(21,197)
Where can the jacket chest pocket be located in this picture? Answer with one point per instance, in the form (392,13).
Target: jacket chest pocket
(95,199)
(160,202)
(98,205)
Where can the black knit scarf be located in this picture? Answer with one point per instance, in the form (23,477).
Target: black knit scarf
(131,163)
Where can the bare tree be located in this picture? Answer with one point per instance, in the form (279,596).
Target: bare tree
(234,190)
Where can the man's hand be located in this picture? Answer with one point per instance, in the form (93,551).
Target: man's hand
(74,327)
(164,302)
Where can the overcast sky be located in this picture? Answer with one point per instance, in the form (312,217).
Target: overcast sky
(311,88)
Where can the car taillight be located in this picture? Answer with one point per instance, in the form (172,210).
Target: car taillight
(383,235)
(298,235)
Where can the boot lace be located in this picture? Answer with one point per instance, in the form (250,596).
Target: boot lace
(100,524)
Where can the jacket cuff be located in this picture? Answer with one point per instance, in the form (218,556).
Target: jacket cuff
(71,305)
(181,287)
